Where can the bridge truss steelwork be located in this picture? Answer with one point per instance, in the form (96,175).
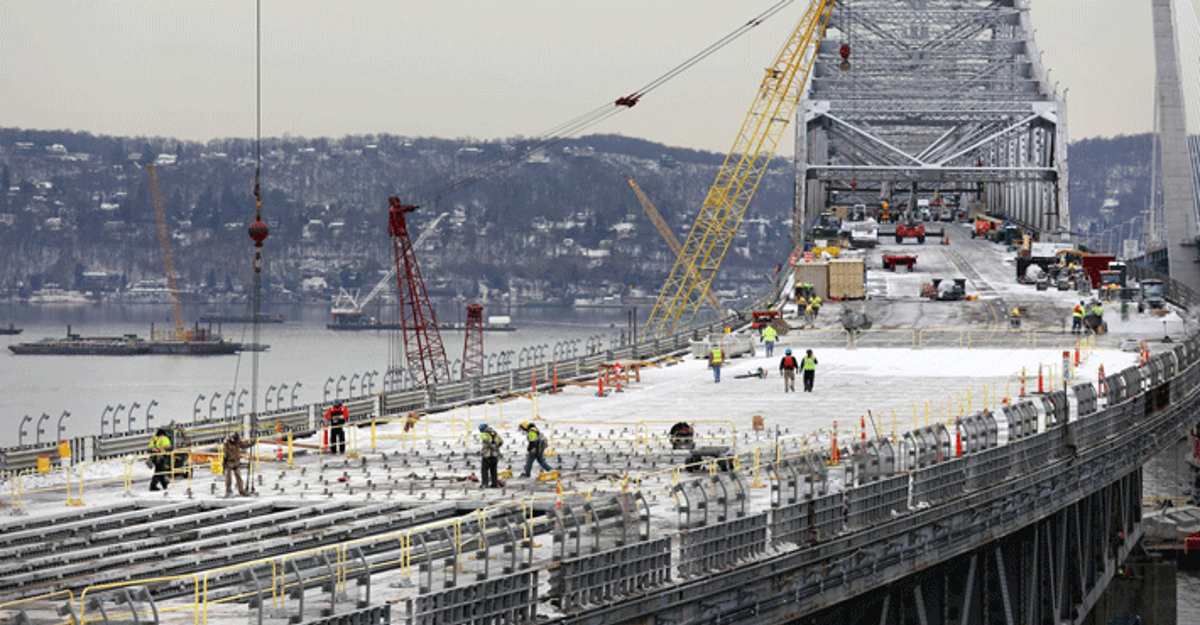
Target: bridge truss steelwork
(932,98)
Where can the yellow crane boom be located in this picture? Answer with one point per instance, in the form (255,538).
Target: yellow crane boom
(716,224)
(672,241)
(164,245)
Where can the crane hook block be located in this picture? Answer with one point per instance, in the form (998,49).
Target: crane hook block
(258,232)
(845,50)
(628,101)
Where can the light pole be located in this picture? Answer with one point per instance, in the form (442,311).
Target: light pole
(104,418)
(239,400)
(338,388)
(327,383)
(229,397)
(196,408)
(371,388)
(117,417)
(40,431)
(21,431)
(295,387)
(149,416)
(279,396)
(267,398)
(64,415)
(352,379)
(129,417)
(212,405)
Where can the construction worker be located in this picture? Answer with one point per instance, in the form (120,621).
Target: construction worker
(160,459)
(1097,323)
(1014,318)
(231,460)
(809,365)
(808,314)
(335,418)
(788,366)
(1077,318)
(716,356)
(768,336)
(536,448)
(490,452)
(815,302)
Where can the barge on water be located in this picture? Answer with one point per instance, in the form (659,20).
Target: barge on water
(199,343)
(11,330)
(359,321)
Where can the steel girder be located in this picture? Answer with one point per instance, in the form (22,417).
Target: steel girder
(933,94)
(1052,571)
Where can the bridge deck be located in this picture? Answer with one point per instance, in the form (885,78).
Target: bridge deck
(908,377)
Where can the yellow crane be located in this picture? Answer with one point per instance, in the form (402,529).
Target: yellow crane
(164,244)
(665,230)
(716,224)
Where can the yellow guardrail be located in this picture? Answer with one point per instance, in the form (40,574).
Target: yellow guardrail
(16,605)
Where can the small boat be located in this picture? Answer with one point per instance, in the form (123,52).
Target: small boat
(212,317)
(11,330)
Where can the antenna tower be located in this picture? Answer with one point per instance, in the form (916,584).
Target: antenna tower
(422,341)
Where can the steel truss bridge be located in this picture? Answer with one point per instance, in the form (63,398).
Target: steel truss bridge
(932,98)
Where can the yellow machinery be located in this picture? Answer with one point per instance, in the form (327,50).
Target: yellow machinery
(665,231)
(164,244)
(770,114)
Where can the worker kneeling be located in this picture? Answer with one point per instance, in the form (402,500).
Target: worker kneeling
(535,450)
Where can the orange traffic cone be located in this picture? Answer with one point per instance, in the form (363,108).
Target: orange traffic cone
(834,454)
(600,386)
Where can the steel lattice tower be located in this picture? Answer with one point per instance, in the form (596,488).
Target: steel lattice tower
(473,343)
(923,97)
(422,341)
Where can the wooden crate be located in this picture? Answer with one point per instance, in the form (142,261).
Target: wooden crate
(847,278)
(815,273)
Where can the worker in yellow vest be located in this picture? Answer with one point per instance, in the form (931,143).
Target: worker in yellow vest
(160,448)
(716,356)
(768,336)
(809,365)
(1077,319)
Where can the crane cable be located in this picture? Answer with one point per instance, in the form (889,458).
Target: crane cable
(574,126)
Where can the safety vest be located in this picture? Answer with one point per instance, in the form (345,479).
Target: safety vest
(809,363)
(769,334)
(716,356)
(815,302)
(159,444)
(491,443)
(1098,311)
(1078,312)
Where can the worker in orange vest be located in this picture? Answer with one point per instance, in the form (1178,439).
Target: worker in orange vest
(335,418)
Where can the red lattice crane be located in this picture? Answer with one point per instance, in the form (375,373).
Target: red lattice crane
(422,341)
(473,345)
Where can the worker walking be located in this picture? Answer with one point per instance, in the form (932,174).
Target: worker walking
(231,460)
(815,302)
(809,364)
(716,356)
(489,476)
(160,459)
(536,448)
(808,314)
(1077,319)
(768,336)
(788,366)
(335,418)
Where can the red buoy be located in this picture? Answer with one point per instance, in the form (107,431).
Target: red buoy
(259,232)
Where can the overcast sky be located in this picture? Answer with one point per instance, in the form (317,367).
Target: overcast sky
(467,68)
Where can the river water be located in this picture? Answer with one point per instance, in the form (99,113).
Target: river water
(305,363)
(306,357)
